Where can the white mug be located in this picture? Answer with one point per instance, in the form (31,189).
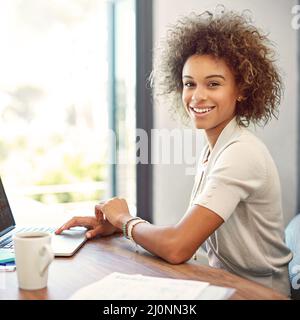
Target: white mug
(33,255)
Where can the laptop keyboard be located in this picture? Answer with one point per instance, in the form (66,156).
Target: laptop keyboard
(7,243)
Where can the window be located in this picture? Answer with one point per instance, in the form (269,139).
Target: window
(67,81)
(125,89)
(54,100)
(133,106)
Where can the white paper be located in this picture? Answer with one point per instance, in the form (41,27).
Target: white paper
(216,293)
(120,286)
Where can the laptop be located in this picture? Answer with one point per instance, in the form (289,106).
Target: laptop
(64,245)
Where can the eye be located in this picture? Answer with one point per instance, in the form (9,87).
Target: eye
(188,84)
(213,84)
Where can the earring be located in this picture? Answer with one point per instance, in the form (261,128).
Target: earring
(239,99)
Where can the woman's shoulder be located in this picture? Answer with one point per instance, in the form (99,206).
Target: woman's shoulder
(245,151)
(245,144)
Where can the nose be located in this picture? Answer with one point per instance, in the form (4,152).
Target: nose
(199,95)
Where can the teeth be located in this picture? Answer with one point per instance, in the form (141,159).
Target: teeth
(202,110)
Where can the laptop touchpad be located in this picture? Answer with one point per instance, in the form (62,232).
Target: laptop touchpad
(67,243)
(76,232)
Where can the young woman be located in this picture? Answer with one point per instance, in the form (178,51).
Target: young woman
(221,67)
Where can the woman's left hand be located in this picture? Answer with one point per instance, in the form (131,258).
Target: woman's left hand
(116,211)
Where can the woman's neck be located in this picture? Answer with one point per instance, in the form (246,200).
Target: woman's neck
(213,134)
(212,138)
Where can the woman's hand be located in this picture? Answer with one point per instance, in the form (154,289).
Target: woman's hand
(97,225)
(116,211)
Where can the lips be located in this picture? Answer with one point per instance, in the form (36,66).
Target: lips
(203,110)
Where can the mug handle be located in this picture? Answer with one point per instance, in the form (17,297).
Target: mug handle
(47,257)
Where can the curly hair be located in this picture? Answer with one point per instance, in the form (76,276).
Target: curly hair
(231,37)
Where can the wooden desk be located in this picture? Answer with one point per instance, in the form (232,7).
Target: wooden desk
(99,257)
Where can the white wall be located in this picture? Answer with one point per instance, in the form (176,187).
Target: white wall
(172,186)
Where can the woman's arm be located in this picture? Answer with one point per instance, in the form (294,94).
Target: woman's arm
(178,243)
(174,244)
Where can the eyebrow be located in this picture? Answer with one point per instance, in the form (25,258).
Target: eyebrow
(210,76)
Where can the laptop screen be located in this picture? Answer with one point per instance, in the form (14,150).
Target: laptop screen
(7,221)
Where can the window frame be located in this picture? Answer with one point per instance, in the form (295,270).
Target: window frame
(144,103)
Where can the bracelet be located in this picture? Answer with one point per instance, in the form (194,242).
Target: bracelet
(130,228)
(132,224)
(125,226)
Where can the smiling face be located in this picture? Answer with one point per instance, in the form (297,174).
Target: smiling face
(209,93)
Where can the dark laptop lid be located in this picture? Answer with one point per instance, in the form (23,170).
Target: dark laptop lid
(7,221)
